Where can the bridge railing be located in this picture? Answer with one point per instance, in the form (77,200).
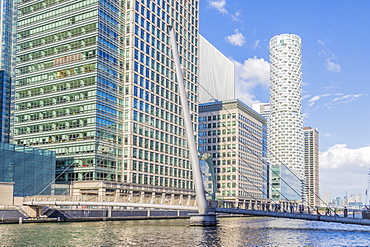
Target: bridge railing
(290,207)
(164,199)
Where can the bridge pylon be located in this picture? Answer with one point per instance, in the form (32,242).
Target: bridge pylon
(205,216)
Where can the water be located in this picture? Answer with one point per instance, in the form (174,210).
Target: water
(245,231)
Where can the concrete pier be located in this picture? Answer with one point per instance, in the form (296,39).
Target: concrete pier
(209,219)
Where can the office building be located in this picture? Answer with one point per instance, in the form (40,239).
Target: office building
(285,124)
(96,84)
(233,134)
(311,165)
(216,74)
(7,25)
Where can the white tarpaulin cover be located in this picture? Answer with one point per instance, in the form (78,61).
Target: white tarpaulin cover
(216,74)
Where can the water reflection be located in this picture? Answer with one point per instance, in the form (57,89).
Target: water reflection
(243,231)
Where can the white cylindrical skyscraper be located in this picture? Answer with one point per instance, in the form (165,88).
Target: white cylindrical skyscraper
(285,125)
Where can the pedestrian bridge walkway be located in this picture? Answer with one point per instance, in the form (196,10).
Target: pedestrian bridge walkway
(186,204)
(301,216)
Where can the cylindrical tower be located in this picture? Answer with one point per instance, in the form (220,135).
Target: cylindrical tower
(285,124)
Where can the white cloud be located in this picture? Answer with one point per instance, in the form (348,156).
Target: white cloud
(316,98)
(321,42)
(219,5)
(348,97)
(236,39)
(256,44)
(251,73)
(329,56)
(331,66)
(344,169)
(306,96)
(343,100)
(236,16)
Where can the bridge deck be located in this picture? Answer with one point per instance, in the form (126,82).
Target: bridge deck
(314,217)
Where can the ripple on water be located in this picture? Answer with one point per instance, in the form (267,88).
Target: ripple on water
(243,231)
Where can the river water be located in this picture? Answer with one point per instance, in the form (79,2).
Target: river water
(243,231)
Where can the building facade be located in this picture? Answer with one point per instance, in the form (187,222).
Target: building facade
(7,25)
(31,170)
(96,84)
(311,165)
(233,134)
(285,124)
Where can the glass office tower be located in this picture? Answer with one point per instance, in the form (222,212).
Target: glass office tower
(69,90)
(96,83)
(6,61)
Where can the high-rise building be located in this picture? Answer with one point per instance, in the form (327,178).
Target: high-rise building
(285,124)
(233,134)
(216,74)
(96,83)
(7,25)
(311,165)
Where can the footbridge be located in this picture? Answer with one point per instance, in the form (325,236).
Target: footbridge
(189,204)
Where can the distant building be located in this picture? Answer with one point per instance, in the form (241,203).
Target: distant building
(311,165)
(31,170)
(216,74)
(285,124)
(263,109)
(233,134)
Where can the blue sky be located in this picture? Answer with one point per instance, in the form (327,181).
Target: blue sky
(335,66)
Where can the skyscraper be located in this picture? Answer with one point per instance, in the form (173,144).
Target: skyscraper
(6,67)
(311,165)
(96,83)
(285,125)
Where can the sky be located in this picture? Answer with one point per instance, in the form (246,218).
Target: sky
(335,65)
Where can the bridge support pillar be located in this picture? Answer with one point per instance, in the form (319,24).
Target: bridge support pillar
(109,212)
(209,219)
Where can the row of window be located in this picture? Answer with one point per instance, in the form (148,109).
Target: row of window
(58,24)
(56,100)
(161,181)
(149,120)
(161,170)
(53,13)
(58,36)
(174,160)
(160,136)
(158,146)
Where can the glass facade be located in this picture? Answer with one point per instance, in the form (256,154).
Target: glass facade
(96,84)
(69,93)
(30,169)
(155,148)
(6,62)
